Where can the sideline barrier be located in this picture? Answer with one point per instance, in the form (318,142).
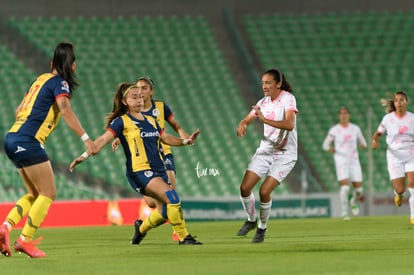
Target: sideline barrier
(84,212)
(126,211)
(232,210)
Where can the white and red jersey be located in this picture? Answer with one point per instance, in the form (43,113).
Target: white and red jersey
(346,140)
(400,135)
(277,140)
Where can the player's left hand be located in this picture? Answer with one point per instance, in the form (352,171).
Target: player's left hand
(194,136)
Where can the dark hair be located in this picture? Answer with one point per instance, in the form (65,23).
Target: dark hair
(63,59)
(278,76)
(388,103)
(344,108)
(148,80)
(119,108)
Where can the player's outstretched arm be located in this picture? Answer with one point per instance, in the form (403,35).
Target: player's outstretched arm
(177,128)
(100,142)
(176,141)
(73,122)
(244,123)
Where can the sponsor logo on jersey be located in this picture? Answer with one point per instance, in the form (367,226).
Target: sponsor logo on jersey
(150,134)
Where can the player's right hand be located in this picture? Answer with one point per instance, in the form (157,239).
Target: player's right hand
(75,162)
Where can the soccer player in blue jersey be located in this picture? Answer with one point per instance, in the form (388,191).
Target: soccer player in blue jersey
(162,113)
(140,137)
(37,116)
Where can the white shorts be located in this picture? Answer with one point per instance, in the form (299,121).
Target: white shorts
(398,168)
(351,171)
(276,166)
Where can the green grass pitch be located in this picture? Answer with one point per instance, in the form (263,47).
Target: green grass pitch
(363,245)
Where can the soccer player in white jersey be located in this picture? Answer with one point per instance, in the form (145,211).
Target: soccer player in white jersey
(277,152)
(398,126)
(345,137)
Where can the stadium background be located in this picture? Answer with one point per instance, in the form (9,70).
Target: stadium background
(206,59)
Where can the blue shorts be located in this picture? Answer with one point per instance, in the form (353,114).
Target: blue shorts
(24,151)
(139,180)
(169,162)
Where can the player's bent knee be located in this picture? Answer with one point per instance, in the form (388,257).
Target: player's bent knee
(172,196)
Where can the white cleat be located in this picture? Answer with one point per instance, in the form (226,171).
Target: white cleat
(354,208)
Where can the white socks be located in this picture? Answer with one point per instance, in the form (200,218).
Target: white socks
(264,214)
(343,198)
(249,207)
(395,193)
(411,202)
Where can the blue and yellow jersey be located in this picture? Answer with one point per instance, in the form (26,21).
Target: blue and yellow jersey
(161,112)
(39,113)
(140,140)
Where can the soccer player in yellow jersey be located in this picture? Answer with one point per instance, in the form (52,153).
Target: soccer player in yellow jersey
(162,113)
(140,137)
(37,116)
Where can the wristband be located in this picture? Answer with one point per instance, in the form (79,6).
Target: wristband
(84,137)
(186,141)
(85,155)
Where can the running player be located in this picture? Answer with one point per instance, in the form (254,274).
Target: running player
(162,113)
(398,126)
(140,137)
(37,116)
(346,136)
(277,153)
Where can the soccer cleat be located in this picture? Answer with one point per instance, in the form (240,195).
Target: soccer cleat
(345,217)
(398,199)
(189,240)
(247,226)
(29,248)
(354,208)
(259,236)
(5,241)
(175,237)
(138,236)
(412,221)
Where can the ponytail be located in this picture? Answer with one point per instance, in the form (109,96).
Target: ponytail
(63,59)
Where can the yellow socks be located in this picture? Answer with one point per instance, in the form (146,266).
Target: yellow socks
(36,216)
(20,209)
(153,220)
(176,218)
